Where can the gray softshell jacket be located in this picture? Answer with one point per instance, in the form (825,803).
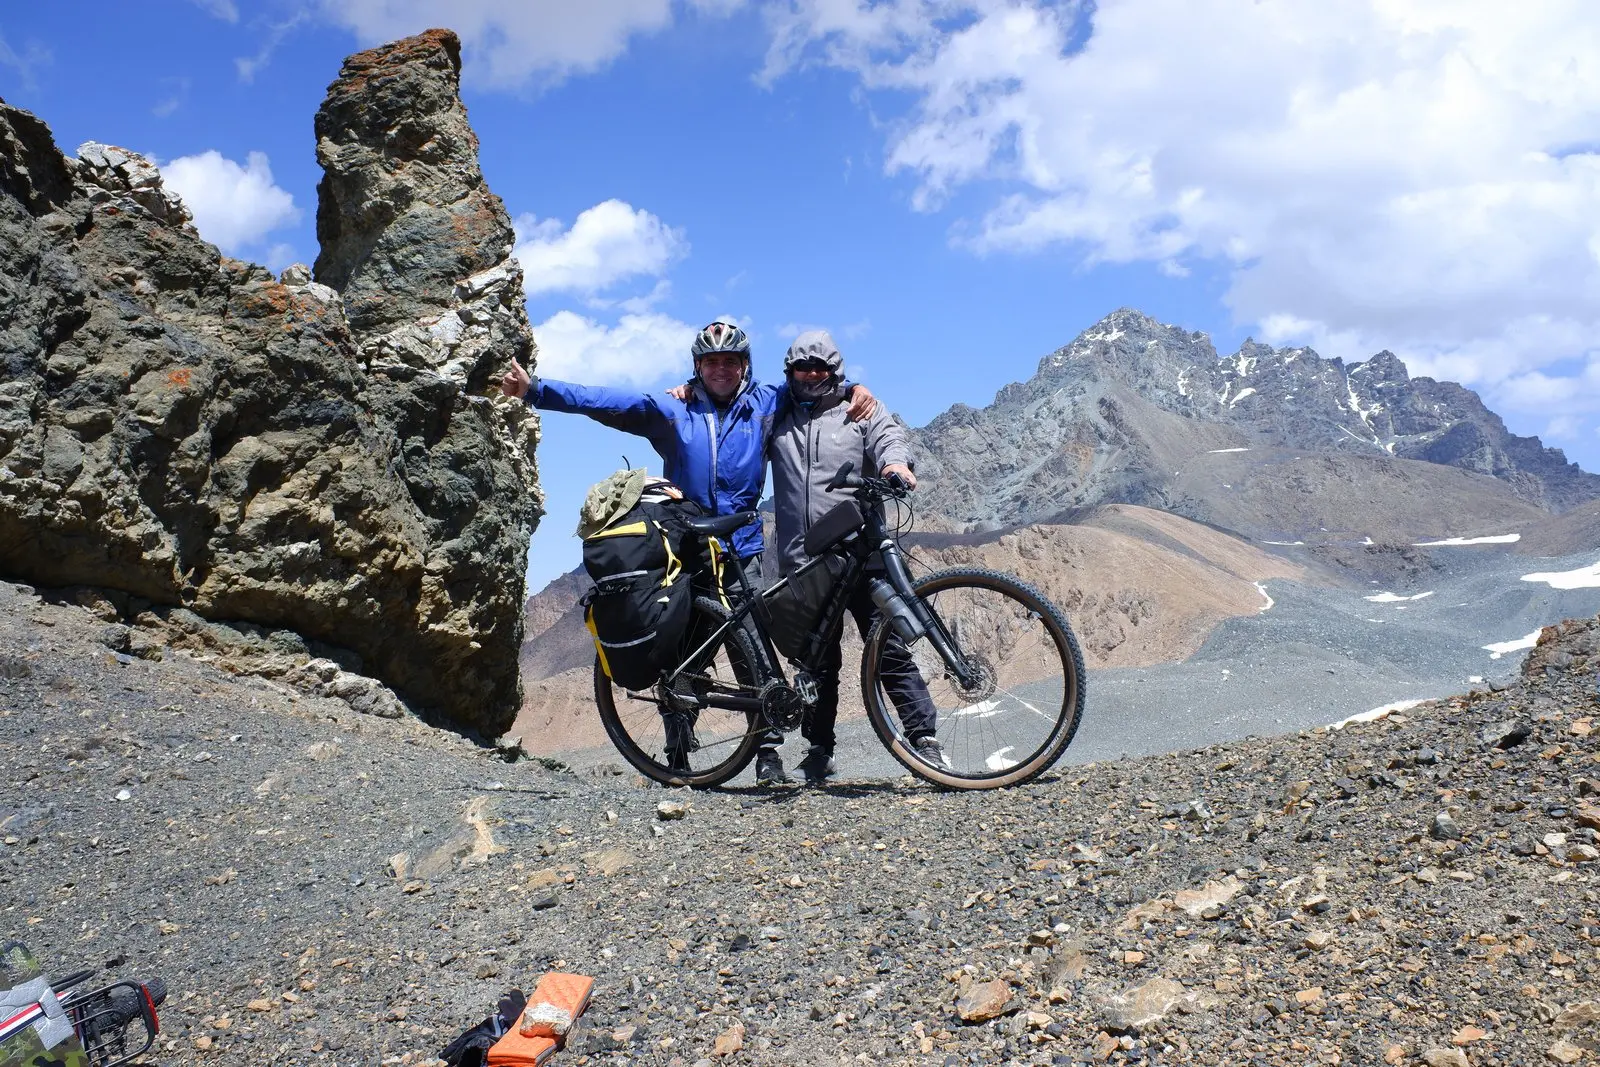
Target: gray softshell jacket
(809,443)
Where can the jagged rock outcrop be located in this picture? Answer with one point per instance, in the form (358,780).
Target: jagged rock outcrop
(410,234)
(1119,414)
(188,430)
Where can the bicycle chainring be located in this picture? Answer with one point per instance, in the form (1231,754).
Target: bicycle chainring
(781,705)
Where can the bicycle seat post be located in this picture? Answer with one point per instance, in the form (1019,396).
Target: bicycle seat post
(738,569)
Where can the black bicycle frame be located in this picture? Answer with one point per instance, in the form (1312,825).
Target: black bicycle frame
(872,539)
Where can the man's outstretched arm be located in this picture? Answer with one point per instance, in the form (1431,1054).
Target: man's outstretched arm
(637,413)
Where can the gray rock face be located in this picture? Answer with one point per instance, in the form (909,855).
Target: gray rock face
(411,235)
(1111,416)
(184,428)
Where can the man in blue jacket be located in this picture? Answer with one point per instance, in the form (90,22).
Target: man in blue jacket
(712,444)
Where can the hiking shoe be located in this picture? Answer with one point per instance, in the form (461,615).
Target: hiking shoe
(931,751)
(818,766)
(769,770)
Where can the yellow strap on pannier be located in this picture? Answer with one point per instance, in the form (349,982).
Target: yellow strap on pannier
(716,570)
(633,529)
(599,650)
(674,564)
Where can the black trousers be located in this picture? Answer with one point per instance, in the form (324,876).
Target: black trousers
(898,674)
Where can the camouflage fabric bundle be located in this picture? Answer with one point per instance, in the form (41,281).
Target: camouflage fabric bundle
(48,1037)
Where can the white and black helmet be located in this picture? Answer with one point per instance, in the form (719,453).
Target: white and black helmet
(720,336)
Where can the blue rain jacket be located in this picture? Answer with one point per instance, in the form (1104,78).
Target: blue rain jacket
(718,458)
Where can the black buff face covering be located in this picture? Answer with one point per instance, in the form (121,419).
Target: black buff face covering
(811,392)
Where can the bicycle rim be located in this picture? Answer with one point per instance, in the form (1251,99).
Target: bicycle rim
(1025,708)
(698,748)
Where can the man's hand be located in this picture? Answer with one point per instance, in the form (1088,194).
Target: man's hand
(681,392)
(515,382)
(863,405)
(902,471)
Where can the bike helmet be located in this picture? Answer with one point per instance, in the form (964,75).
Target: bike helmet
(720,336)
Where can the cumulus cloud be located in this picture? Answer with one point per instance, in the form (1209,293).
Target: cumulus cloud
(514,42)
(234,206)
(1422,177)
(638,351)
(609,243)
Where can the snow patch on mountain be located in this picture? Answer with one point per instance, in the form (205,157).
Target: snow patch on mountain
(1456,542)
(1500,648)
(1582,578)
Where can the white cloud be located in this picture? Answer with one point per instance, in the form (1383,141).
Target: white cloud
(169,104)
(225,10)
(25,63)
(1417,176)
(249,66)
(638,351)
(788,331)
(607,243)
(512,42)
(234,206)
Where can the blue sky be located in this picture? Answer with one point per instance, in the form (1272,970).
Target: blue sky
(954,187)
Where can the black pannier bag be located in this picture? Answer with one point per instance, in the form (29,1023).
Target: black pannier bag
(642,563)
(796,608)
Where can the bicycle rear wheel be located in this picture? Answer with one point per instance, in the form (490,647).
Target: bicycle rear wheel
(663,736)
(1024,708)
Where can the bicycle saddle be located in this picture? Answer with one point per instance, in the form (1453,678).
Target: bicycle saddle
(723,525)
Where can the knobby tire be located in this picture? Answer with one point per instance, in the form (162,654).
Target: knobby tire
(739,651)
(885,720)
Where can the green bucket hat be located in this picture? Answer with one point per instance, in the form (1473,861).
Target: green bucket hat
(609,500)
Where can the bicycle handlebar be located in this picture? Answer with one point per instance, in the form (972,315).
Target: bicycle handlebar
(871,490)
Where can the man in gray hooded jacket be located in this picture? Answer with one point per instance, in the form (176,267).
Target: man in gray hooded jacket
(811,438)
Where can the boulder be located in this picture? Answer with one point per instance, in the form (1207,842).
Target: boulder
(193,433)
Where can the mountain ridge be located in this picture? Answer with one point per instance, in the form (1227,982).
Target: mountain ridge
(1104,418)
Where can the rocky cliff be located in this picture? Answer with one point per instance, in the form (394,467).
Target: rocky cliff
(192,434)
(1121,413)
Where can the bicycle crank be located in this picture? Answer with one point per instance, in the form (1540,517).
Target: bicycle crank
(781,705)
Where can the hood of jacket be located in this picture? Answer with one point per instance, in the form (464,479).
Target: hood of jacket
(815,344)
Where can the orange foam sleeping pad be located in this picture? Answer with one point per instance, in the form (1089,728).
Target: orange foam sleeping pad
(556,1002)
(514,1050)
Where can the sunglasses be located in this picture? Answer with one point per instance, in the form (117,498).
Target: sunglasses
(810,365)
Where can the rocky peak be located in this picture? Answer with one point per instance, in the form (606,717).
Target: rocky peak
(1128,339)
(32,169)
(127,178)
(1071,436)
(1385,368)
(401,173)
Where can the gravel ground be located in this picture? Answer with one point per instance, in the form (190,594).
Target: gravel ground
(319,887)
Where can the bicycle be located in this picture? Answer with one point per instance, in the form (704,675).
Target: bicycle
(102,1020)
(1000,661)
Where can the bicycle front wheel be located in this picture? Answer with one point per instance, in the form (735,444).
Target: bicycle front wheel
(663,735)
(1026,695)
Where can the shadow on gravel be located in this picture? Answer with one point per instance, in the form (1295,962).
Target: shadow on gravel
(787,794)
